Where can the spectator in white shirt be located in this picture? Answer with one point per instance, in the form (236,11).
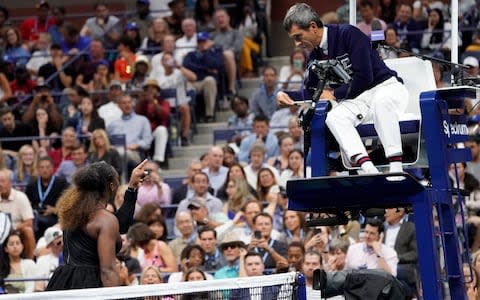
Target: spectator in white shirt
(372,254)
(188,42)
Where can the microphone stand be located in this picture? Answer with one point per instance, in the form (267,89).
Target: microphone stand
(452,66)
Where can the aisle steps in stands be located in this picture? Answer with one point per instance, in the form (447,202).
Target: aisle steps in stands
(203,140)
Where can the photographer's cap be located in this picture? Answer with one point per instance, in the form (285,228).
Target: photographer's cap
(51,234)
(471,61)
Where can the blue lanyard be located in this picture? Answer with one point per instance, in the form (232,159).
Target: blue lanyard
(41,195)
(270,244)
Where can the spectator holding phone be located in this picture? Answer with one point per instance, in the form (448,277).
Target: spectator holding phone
(272,251)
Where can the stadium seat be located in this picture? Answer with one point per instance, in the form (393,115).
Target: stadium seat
(410,69)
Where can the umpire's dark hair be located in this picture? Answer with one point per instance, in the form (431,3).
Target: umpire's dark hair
(374,222)
(302,15)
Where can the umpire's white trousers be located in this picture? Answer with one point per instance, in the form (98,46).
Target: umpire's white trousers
(381,105)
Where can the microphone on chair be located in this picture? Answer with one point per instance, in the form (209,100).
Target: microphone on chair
(377,35)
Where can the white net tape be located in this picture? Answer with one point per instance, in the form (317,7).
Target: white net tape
(286,283)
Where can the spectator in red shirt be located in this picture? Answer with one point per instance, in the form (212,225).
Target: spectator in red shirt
(125,63)
(157,111)
(31,27)
(23,84)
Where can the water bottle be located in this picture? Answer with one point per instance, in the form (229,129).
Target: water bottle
(173,134)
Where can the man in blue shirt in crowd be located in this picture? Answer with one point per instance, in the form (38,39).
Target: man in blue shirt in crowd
(375,93)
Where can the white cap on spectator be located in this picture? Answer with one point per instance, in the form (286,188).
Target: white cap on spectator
(52,233)
(115,83)
(471,61)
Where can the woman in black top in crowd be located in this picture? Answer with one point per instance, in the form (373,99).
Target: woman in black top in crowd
(85,222)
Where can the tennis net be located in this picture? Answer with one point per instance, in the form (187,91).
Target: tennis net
(285,286)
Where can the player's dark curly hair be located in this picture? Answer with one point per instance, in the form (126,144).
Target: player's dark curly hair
(91,184)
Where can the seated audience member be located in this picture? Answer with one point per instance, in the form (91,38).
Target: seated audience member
(267,188)
(137,130)
(14,265)
(296,132)
(437,34)
(175,77)
(214,259)
(192,256)
(188,235)
(241,118)
(168,46)
(69,139)
(188,41)
(400,235)
(43,193)
(372,254)
(262,101)
(242,223)
(231,42)
(153,44)
(204,11)
(103,27)
(337,253)
(200,214)
(311,262)
(200,184)
(43,98)
(391,39)
(43,127)
(153,189)
(41,55)
(238,194)
(17,205)
(87,120)
(185,190)
(295,255)
(405,24)
(295,168)
(14,47)
(64,77)
(56,30)
(215,171)
(291,76)
(282,116)
(155,253)
(151,275)
(26,167)
(20,88)
(73,43)
(33,26)
(100,81)
(13,128)
(159,227)
(285,145)
(70,102)
(294,225)
(157,110)
(69,167)
(206,63)
(148,212)
(252,40)
(229,156)
(174,21)
(102,150)
(125,63)
(251,264)
(87,69)
(261,133)
(47,263)
(230,248)
(368,16)
(110,111)
(141,73)
(273,250)
(257,157)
